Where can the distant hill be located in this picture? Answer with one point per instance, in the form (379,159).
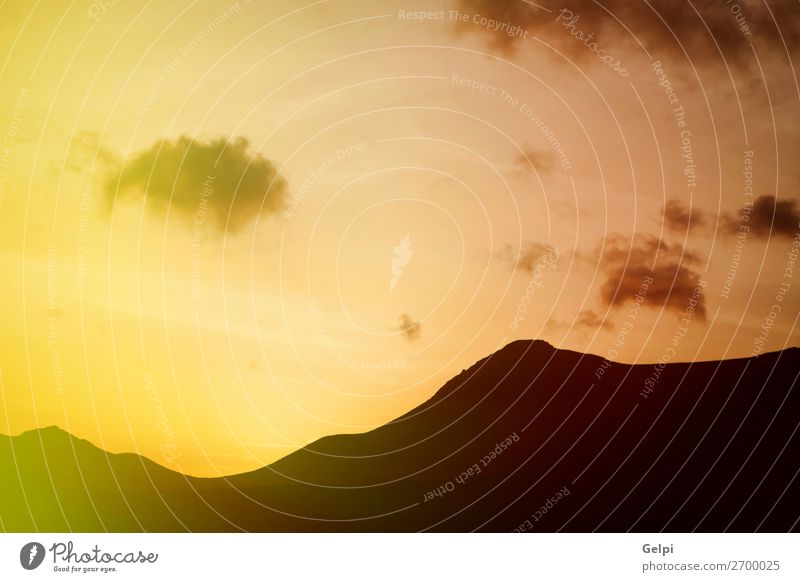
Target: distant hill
(530,438)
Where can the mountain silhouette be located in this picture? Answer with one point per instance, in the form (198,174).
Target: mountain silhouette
(531,438)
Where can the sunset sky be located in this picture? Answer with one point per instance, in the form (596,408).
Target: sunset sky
(228,229)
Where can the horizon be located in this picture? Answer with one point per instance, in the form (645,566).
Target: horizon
(393,421)
(253,226)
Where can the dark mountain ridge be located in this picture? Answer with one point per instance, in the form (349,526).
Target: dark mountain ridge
(529,438)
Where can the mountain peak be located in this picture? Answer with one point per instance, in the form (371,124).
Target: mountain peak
(485,454)
(536,344)
(45,431)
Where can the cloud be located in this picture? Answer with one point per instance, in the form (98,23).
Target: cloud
(662,26)
(409,328)
(679,217)
(529,256)
(218,181)
(588,318)
(585,320)
(768,217)
(647,270)
(541,160)
(86,152)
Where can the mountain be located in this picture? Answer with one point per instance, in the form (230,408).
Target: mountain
(531,438)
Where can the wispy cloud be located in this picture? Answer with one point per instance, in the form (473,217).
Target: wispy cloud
(411,329)
(680,217)
(528,256)
(541,160)
(588,318)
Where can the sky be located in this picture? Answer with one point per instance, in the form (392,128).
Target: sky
(228,229)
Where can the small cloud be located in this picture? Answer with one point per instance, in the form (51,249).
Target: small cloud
(553,325)
(767,217)
(588,318)
(541,160)
(530,255)
(86,151)
(221,181)
(410,328)
(648,270)
(679,217)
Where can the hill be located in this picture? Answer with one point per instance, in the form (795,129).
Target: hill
(530,438)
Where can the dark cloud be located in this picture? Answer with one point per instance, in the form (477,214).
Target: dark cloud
(679,217)
(219,181)
(662,26)
(530,255)
(588,318)
(652,272)
(541,160)
(409,328)
(767,217)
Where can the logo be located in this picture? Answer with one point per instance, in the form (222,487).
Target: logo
(31,555)
(402,255)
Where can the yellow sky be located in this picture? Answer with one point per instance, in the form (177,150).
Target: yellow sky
(217,351)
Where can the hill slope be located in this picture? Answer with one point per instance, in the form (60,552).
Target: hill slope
(530,438)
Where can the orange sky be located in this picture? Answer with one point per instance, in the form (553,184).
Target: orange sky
(396,194)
